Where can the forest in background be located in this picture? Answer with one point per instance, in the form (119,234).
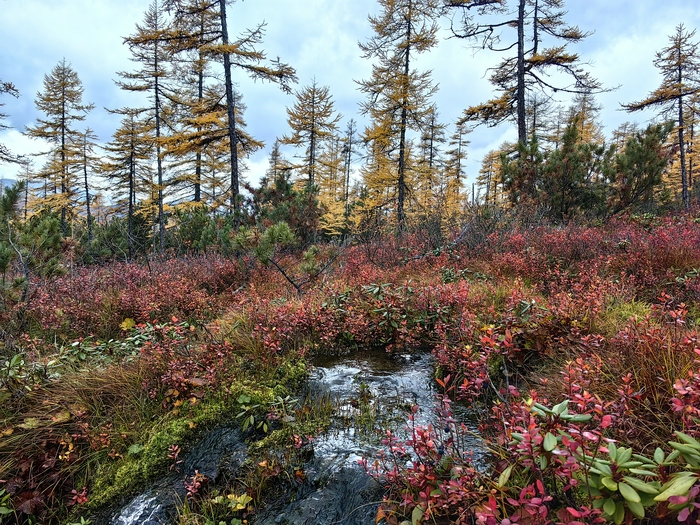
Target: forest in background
(149,293)
(172,160)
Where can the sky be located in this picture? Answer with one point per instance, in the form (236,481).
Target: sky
(319,38)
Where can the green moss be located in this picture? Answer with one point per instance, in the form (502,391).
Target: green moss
(119,479)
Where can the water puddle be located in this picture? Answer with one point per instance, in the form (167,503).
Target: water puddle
(370,392)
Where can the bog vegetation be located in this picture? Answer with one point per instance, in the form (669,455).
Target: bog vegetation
(559,297)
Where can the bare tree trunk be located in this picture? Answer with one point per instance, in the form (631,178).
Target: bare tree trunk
(522,126)
(230,107)
(400,214)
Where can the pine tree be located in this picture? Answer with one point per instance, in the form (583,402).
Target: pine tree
(678,64)
(9,89)
(398,96)
(147,46)
(639,167)
(313,120)
(483,23)
(62,104)
(568,185)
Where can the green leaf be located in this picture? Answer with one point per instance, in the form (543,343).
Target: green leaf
(636,508)
(642,472)
(543,462)
(640,485)
(659,455)
(628,492)
(688,440)
(550,441)
(683,448)
(416,515)
(561,407)
(623,455)
(609,483)
(505,476)
(631,464)
(672,457)
(436,492)
(619,513)
(612,451)
(605,469)
(679,486)
(609,507)
(579,418)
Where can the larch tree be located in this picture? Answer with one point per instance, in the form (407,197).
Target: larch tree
(454,173)
(349,144)
(536,24)
(194,28)
(148,48)
(430,191)
(127,165)
(331,186)
(397,95)
(490,177)
(679,64)
(61,103)
(313,121)
(206,132)
(87,160)
(9,89)
(242,53)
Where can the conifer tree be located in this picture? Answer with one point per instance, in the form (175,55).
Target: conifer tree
(430,190)
(193,29)
(61,102)
(534,22)
(567,183)
(397,95)
(86,162)
(148,48)
(638,168)
(241,53)
(331,186)
(455,165)
(678,64)
(348,152)
(489,177)
(9,89)
(127,165)
(313,120)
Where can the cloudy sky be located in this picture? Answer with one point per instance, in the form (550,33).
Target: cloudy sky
(319,38)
